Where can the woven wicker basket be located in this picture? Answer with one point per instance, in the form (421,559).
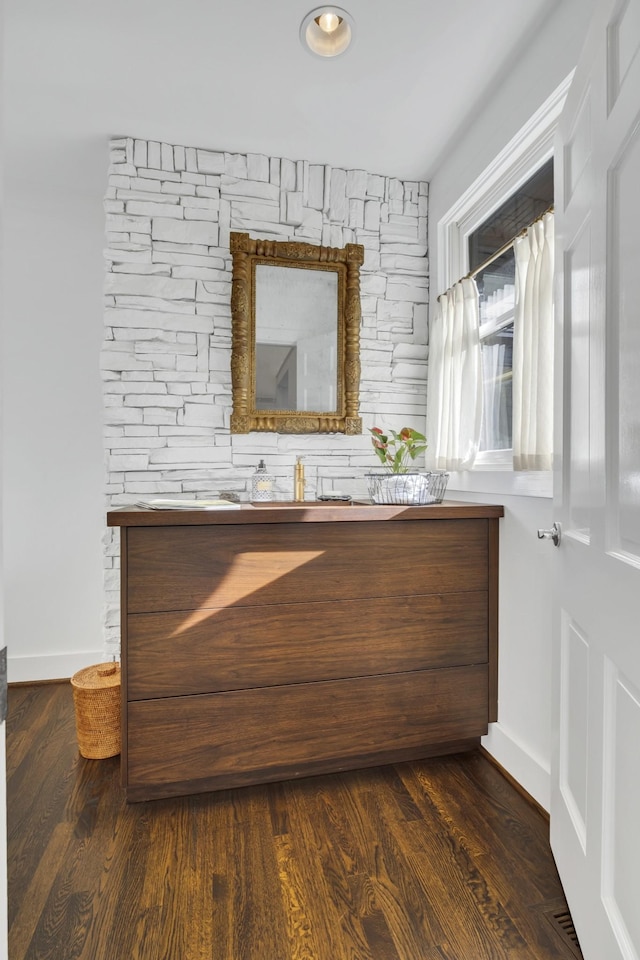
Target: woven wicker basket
(96,698)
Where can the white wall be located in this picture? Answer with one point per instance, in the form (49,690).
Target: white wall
(520,741)
(53,459)
(3,769)
(539,67)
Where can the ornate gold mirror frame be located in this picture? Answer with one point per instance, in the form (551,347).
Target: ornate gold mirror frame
(345,262)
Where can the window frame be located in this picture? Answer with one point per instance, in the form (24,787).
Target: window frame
(512,167)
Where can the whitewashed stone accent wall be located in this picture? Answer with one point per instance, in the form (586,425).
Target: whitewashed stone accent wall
(166,356)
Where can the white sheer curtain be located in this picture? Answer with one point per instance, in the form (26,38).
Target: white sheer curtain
(454,387)
(533,348)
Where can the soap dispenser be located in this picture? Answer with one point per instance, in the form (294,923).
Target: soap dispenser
(261,484)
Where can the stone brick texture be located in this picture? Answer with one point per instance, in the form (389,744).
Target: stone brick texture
(166,355)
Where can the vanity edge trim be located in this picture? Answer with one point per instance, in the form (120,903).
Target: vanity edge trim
(301,513)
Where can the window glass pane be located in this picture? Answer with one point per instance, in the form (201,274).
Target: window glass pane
(528,202)
(497,289)
(497,352)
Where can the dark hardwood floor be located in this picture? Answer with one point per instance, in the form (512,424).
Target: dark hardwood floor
(439,859)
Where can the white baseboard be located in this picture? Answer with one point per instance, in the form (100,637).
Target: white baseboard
(529,771)
(59,666)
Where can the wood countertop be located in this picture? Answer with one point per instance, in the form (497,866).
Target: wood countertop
(306,512)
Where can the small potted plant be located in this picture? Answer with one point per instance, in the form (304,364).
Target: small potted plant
(399,484)
(396,450)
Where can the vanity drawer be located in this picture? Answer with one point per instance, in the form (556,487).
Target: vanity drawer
(191,568)
(174,654)
(193,744)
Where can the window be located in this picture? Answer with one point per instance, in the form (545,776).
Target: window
(494,270)
(467,234)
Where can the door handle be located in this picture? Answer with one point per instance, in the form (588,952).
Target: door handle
(554,534)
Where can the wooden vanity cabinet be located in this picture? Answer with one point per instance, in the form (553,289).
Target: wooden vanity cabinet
(268,643)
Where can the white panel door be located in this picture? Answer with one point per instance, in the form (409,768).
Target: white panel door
(595,805)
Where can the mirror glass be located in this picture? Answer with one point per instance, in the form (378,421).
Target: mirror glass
(296,329)
(295,352)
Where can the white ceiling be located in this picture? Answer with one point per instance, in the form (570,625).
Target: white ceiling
(233,76)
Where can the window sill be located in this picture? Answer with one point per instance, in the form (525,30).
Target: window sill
(493,460)
(502,482)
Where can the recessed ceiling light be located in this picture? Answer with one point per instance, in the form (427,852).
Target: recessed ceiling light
(327,31)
